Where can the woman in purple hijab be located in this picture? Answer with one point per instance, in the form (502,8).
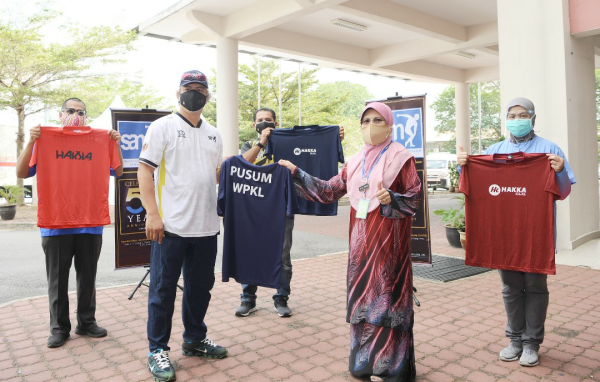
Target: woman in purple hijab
(385,192)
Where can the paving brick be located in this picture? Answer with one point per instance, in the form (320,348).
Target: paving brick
(453,341)
(439,376)
(41,377)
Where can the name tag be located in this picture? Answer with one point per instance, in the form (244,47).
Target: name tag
(363,206)
(364,187)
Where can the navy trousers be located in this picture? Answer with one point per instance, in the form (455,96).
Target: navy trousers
(195,256)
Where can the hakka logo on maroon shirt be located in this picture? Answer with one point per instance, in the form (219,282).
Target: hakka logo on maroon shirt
(495,190)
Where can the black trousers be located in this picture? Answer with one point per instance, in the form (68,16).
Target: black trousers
(60,251)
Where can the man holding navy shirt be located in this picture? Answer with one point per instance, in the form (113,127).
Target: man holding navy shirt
(265,121)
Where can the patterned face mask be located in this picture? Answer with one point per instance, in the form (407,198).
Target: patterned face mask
(72,119)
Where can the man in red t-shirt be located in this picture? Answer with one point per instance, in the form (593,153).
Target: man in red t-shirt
(524,290)
(71,229)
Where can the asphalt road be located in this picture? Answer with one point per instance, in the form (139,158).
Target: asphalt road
(23,272)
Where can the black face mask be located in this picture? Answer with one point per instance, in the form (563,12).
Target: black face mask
(263,125)
(192,100)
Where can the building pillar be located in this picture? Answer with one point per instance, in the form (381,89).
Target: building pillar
(463,118)
(227,91)
(541,61)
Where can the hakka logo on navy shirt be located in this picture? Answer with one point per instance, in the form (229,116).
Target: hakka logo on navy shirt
(299,151)
(495,190)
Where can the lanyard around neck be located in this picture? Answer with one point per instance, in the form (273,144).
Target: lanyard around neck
(374,164)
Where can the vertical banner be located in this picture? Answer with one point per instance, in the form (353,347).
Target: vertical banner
(132,249)
(409,130)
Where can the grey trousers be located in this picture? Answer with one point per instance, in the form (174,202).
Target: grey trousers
(526,300)
(285,275)
(60,251)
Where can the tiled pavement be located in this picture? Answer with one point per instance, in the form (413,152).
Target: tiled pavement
(458,331)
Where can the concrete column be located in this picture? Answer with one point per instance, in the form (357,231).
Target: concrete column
(227,91)
(463,118)
(540,60)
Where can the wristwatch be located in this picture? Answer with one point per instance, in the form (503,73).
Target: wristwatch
(260,145)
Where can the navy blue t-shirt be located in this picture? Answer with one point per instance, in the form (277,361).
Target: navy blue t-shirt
(254,202)
(316,150)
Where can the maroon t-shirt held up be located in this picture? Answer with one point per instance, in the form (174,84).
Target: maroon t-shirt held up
(509,207)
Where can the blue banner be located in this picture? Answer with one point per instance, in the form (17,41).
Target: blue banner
(132,138)
(408,130)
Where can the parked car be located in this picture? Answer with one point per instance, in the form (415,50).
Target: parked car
(438,165)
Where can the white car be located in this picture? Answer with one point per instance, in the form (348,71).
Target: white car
(438,165)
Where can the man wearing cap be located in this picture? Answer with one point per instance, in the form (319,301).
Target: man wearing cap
(525,294)
(183,153)
(253,151)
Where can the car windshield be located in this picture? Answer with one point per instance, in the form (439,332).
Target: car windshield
(438,164)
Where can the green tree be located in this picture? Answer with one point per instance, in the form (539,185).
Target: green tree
(36,75)
(491,130)
(337,103)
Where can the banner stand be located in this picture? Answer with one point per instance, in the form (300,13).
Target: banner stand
(132,248)
(146,285)
(409,130)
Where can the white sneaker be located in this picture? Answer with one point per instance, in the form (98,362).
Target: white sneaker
(510,353)
(529,358)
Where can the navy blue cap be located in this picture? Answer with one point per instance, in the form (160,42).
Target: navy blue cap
(194,77)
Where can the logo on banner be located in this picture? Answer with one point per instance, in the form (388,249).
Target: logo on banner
(135,218)
(408,130)
(132,140)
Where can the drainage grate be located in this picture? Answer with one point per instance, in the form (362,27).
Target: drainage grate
(446,269)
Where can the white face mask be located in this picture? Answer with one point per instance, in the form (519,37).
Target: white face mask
(375,134)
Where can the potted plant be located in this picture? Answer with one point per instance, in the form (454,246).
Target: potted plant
(455,221)
(11,195)
(453,177)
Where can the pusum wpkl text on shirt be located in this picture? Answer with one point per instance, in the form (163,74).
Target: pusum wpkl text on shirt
(254,202)
(73,171)
(316,150)
(510,212)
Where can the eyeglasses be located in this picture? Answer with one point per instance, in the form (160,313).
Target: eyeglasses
(194,76)
(375,121)
(70,110)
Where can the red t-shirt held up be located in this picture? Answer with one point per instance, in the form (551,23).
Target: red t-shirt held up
(73,171)
(509,207)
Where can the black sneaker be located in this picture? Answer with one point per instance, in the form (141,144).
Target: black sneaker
(205,348)
(160,366)
(93,331)
(281,307)
(245,308)
(57,340)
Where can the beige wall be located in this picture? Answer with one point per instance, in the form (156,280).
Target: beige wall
(584,16)
(540,60)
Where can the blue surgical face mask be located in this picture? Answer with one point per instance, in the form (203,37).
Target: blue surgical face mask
(519,127)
